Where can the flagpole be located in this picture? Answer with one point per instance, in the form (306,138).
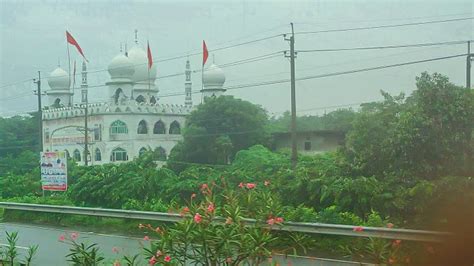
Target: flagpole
(69,71)
(202,80)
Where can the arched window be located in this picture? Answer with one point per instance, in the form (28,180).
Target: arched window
(98,155)
(142,128)
(76,155)
(159,128)
(118,154)
(67,154)
(140,99)
(175,128)
(118,127)
(57,103)
(117,94)
(142,151)
(152,100)
(159,154)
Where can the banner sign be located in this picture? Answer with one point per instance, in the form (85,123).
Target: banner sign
(54,171)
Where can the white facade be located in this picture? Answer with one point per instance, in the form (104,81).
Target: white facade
(104,137)
(130,121)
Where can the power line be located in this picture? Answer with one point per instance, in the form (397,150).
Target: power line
(383,47)
(385,26)
(265,83)
(380,67)
(17,82)
(189,54)
(272,82)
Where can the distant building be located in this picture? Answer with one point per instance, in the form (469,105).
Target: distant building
(309,142)
(131,121)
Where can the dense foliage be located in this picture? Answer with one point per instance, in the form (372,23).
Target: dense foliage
(426,135)
(340,120)
(216,130)
(407,160)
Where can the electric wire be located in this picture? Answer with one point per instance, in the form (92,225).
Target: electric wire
(383,47)
(384,26)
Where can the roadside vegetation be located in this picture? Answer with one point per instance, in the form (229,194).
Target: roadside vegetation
(407,161)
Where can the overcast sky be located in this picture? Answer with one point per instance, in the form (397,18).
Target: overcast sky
(32,38)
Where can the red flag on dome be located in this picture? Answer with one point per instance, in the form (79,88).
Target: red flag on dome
(150,58)
(73,41)
(205,53)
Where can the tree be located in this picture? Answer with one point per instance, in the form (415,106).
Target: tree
(340,119)
(17,134)
(218,129)
(427,135)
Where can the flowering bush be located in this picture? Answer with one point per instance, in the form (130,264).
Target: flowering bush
(215,232)
(80,253)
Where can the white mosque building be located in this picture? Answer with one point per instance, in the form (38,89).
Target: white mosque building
(131,120)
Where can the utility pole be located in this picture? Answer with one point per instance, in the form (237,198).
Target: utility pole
(40,113)
(294,149)
(468,65)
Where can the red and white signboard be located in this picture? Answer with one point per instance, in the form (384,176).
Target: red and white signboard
(54,171)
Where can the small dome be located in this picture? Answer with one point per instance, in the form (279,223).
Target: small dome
(213,76)
(59,79)
(139,59)
(121,67)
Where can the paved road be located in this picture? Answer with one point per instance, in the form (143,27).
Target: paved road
(52,252)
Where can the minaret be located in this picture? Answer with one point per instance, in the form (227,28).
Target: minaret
(84,83)
(188,101)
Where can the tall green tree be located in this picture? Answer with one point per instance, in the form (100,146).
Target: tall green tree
(218,129)
(18,134)
(427,135)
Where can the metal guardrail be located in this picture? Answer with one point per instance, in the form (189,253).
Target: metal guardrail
(310,228)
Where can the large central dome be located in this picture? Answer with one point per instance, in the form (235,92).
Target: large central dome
(139,59)
(121,67)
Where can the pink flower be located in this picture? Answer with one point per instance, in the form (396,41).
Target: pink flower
(193,195)
(266,183)
(197,218)
(396,243)
(184,211)
(241,185)
(117,263)
(389,225)
(167,259)
(62,238)
(279,220)
(228,220)
(358,229)
(158,253)
(74,235)
(271,221)
(115,250)
(204,186)
(146,238)
(251,185)
(152,260)
(210,207)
